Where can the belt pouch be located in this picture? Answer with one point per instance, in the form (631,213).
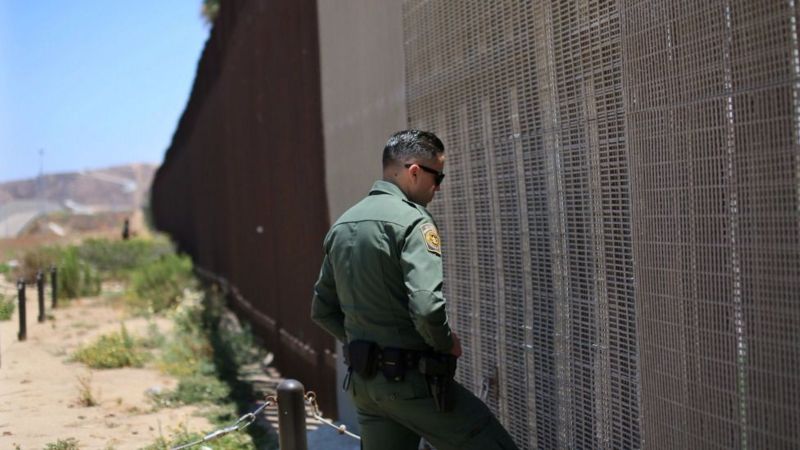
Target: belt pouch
(394,364)
(363,358)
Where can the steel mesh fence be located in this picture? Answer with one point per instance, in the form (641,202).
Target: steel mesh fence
(620,219)
(711,94)
(538,207)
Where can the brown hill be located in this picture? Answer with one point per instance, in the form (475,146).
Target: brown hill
(115,188)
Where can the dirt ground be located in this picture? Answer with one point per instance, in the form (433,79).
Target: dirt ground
(40,387)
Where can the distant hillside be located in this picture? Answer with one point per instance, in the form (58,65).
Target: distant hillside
(113,189)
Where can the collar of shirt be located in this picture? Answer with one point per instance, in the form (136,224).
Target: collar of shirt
(386,187)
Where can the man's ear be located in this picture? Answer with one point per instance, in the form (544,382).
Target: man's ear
(413,171)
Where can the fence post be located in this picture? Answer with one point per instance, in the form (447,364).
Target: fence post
(292,416)
(40,291)
(23,332)
(54,282)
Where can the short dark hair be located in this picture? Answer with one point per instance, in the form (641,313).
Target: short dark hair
(411,144)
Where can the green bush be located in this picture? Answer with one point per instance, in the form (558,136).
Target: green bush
(239,344)
(117,258)
(158,286)
(187,351)
(154,337)
(76,278)
(181,436)
(230,338)
(191,354)
(63,444)
(5,269)
(7,306)
(40,259)
(197,388)
(184,355)
(188,355)
(112,351)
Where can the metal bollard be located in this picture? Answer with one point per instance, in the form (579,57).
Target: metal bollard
(292,416)
(40,291)
(23,332)
(54,282)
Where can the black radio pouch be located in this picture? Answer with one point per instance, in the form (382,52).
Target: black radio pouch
(363,358)
(394,364)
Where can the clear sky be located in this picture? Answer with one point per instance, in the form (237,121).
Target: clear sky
(94,83)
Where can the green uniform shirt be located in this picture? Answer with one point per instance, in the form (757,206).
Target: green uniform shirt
(381,277)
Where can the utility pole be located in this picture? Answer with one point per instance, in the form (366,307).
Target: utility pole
(40,180)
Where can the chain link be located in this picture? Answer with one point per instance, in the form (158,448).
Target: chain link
(240,424)
(311,399)
(247,419)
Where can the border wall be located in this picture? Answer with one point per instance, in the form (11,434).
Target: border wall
(620,216)
(242,185)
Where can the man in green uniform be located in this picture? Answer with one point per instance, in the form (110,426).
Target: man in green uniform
(380,293)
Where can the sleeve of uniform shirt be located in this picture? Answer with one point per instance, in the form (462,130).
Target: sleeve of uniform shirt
(325,308)
(422,270)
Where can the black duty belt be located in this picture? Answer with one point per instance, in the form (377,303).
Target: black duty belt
(366,358)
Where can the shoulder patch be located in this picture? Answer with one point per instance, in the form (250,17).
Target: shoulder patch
(431,237)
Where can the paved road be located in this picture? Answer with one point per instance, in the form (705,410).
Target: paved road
(14,216)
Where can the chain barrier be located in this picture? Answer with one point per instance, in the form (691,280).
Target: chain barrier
(311,399)
(240,424)
(247,419)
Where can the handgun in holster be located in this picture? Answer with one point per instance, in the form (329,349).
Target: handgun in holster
(439,370)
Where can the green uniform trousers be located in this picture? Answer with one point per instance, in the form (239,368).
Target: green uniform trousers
(393,416)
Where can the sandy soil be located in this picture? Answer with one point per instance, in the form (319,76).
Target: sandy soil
(39,387)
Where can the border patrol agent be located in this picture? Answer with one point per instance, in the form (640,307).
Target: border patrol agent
(379,292)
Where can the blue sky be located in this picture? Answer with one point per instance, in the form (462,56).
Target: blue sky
(94,83)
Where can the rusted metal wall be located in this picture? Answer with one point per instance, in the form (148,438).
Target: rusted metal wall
(242,186)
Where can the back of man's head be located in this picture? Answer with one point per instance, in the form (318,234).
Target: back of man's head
(408,145)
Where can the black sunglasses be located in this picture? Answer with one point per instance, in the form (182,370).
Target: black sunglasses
(439,175)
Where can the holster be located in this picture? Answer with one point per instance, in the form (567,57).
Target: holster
(362,357)
(439,370)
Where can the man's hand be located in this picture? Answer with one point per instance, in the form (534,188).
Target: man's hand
(456,350)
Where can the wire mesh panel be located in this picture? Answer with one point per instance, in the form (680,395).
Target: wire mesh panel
(596,214)
(712,115)
(528,100)
(457,62)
